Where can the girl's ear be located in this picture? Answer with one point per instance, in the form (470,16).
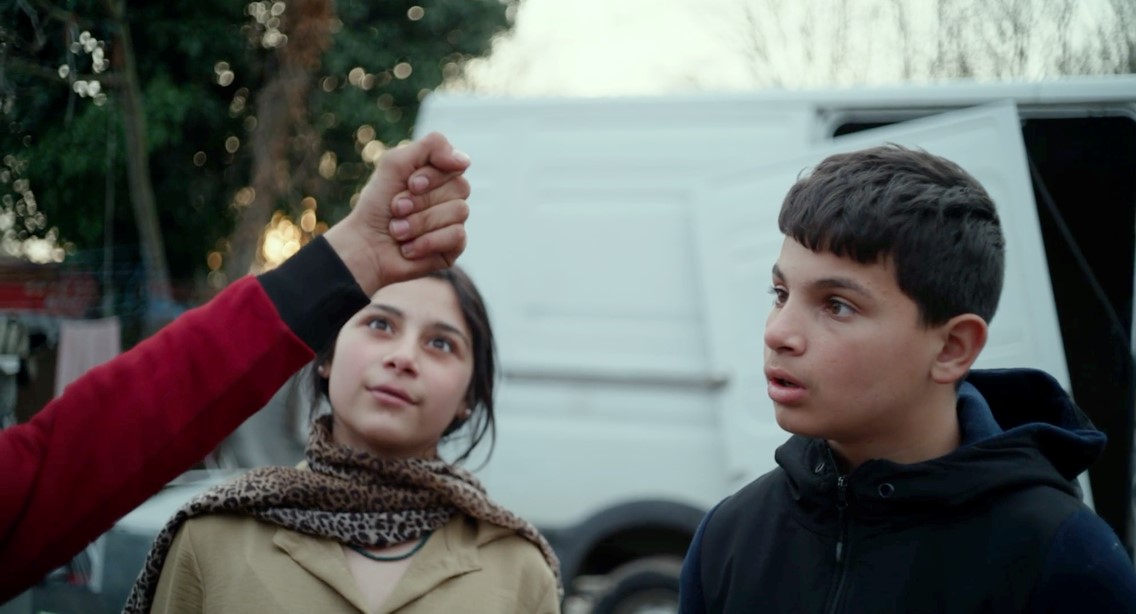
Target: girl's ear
(323,370)
(964,336)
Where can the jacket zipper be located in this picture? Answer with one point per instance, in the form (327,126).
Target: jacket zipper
(842,538)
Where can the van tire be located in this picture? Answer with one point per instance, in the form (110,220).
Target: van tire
(641,584)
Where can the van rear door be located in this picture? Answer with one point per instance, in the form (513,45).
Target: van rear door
(738,242)
(582,243)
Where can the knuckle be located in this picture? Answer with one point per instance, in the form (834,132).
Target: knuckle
(416,226)
(463,186)
(422,245)
(436,216)
(421,203)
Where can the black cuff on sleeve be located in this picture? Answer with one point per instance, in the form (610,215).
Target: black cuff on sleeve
(314,293)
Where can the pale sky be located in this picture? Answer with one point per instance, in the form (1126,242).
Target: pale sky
(590,47)
(622,47)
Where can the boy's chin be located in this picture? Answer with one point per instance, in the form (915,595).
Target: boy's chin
(800,422)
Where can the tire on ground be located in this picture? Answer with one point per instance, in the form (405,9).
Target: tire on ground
(642,585)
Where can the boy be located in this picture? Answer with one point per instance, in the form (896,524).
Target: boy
(910,484)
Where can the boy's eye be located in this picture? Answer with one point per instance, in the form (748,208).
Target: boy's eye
(441,343)
(780,295)
(839,308)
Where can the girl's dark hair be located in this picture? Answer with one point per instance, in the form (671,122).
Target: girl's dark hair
(479,395)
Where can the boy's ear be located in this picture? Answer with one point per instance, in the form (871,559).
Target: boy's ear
(963,337)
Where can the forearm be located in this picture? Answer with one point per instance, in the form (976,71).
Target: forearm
(126,428)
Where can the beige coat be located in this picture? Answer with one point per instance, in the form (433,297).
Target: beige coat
(229,564)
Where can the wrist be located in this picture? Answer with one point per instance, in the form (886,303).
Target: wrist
(357,255)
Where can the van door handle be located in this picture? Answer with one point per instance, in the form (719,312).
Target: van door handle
(620,377)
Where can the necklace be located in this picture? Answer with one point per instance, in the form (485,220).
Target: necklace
(394,557)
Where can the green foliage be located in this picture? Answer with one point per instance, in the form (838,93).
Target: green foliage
(181,47)
(376,37)
(64,137)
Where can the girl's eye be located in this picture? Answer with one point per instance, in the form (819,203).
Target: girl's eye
(379,324)
(441,343)
(839,308)
(780,295)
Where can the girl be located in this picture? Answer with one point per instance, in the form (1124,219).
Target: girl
(374,521)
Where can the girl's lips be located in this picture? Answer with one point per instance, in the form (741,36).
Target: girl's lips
(388,396)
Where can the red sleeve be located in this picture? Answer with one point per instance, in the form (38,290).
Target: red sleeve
(126,428)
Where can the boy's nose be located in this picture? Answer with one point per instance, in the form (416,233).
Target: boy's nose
(783,331)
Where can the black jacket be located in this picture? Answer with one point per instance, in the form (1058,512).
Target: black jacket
(995,526)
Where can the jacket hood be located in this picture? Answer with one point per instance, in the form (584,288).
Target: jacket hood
(1019,429)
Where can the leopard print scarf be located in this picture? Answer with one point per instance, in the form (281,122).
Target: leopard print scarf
(348,496)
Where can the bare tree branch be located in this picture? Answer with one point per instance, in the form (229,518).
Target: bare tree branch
(839,61)
(34,69)
(903,27)
(755,44)
(1124,12)
(63,15)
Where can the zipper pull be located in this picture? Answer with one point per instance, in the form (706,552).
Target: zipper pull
(841,505)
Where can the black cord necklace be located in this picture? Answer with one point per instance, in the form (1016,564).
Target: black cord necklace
(394,557)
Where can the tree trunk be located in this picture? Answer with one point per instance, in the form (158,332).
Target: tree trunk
(138,170)
(282,115)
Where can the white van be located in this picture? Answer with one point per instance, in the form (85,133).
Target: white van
(624,248)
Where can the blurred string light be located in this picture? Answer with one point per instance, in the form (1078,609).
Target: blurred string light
(87,45)
(266,28)
(224,74)
(239,102)
(20,218)
(372,150)
(328,164)
(281,238)
(361,78)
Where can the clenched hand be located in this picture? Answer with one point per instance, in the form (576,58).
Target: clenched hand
(410,217)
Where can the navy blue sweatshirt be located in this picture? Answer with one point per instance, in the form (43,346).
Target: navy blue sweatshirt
(995,526)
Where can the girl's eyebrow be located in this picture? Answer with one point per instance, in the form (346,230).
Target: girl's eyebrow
(440,325)
(387,308)
(450,328)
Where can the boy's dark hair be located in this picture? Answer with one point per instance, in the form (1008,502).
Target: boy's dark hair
(479,395)
(932,219)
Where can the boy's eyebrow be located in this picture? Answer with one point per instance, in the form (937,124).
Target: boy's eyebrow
(828,283)
(450,328)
